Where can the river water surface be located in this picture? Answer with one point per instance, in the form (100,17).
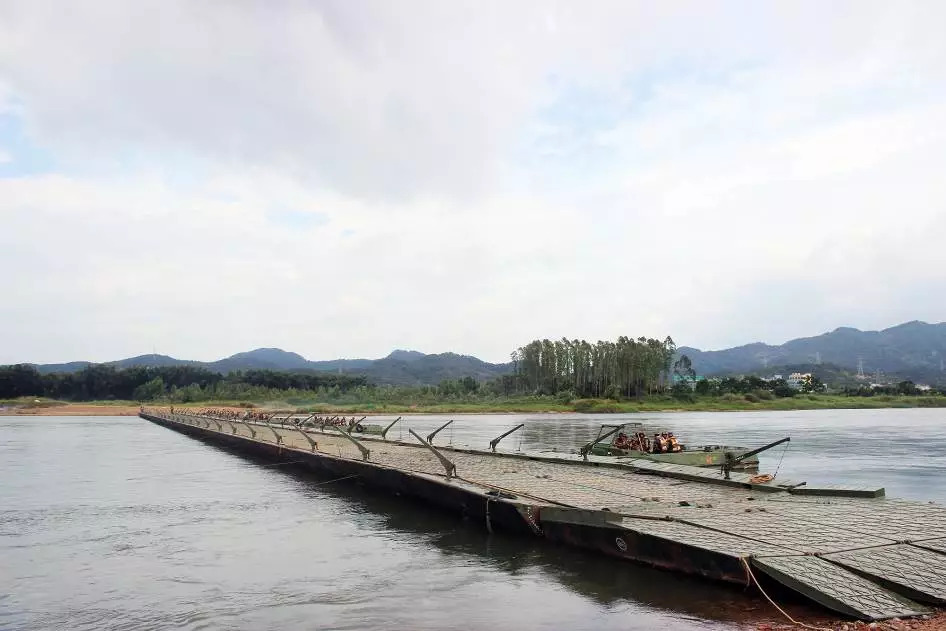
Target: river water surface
(116,523)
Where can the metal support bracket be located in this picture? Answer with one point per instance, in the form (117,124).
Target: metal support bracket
(250,427)
(217,423)
(365,452)
(384,432)
(495,441)
(354,423)
(232,427)
(430,436)
(314,446)
(587,448)
(450,468)
(275,433)
(301,423)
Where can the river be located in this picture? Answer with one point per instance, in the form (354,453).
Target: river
(116,523)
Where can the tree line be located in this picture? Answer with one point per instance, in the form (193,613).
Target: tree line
(623,368)
(566,369)
(146,383)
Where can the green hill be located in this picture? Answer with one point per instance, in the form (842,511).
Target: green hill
(913,350)
(401,367)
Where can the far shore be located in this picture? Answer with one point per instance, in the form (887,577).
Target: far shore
(46,407)
(72,409)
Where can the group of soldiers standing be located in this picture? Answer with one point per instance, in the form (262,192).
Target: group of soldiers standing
(231,414)
(662,443)
(223,413)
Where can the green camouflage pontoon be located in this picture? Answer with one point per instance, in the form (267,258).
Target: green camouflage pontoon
(608,443)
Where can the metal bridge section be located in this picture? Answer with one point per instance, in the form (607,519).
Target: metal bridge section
(849,549)
(836,588)
(905,568)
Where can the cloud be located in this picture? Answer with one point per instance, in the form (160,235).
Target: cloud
(341,179)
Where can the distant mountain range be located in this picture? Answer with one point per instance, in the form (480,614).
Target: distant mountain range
(914,350)
(399,368)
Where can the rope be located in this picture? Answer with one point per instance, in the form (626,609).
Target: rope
(512,492)
(347,477)
(595,488)
(781,611)
(780,460)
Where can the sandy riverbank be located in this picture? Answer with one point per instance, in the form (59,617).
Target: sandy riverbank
(83,409)
(73,409)
(934,622)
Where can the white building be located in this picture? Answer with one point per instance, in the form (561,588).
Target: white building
(796,379)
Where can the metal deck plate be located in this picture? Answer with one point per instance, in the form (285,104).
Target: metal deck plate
(788,532)
(697,537)
(893,520)
(908,570)
(837,588)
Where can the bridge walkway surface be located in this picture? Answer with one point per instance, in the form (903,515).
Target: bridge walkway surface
(849,549)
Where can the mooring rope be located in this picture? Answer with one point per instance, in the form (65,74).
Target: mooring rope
(512,492)
(774,604)
(779,465)
(347,477)
(596,488)
(762,478)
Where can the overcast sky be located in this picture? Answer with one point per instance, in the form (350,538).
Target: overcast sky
(344,178)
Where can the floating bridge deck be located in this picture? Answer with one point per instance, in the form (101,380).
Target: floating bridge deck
(848,549)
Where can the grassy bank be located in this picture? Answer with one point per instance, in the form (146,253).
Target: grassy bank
(729,402)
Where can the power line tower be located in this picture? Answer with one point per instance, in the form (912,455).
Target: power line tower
(860,367)
(818,357)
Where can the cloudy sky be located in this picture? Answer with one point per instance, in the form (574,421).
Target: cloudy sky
(344,178)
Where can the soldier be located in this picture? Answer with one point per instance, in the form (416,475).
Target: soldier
(621,441)
(674,443)
(658,444)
